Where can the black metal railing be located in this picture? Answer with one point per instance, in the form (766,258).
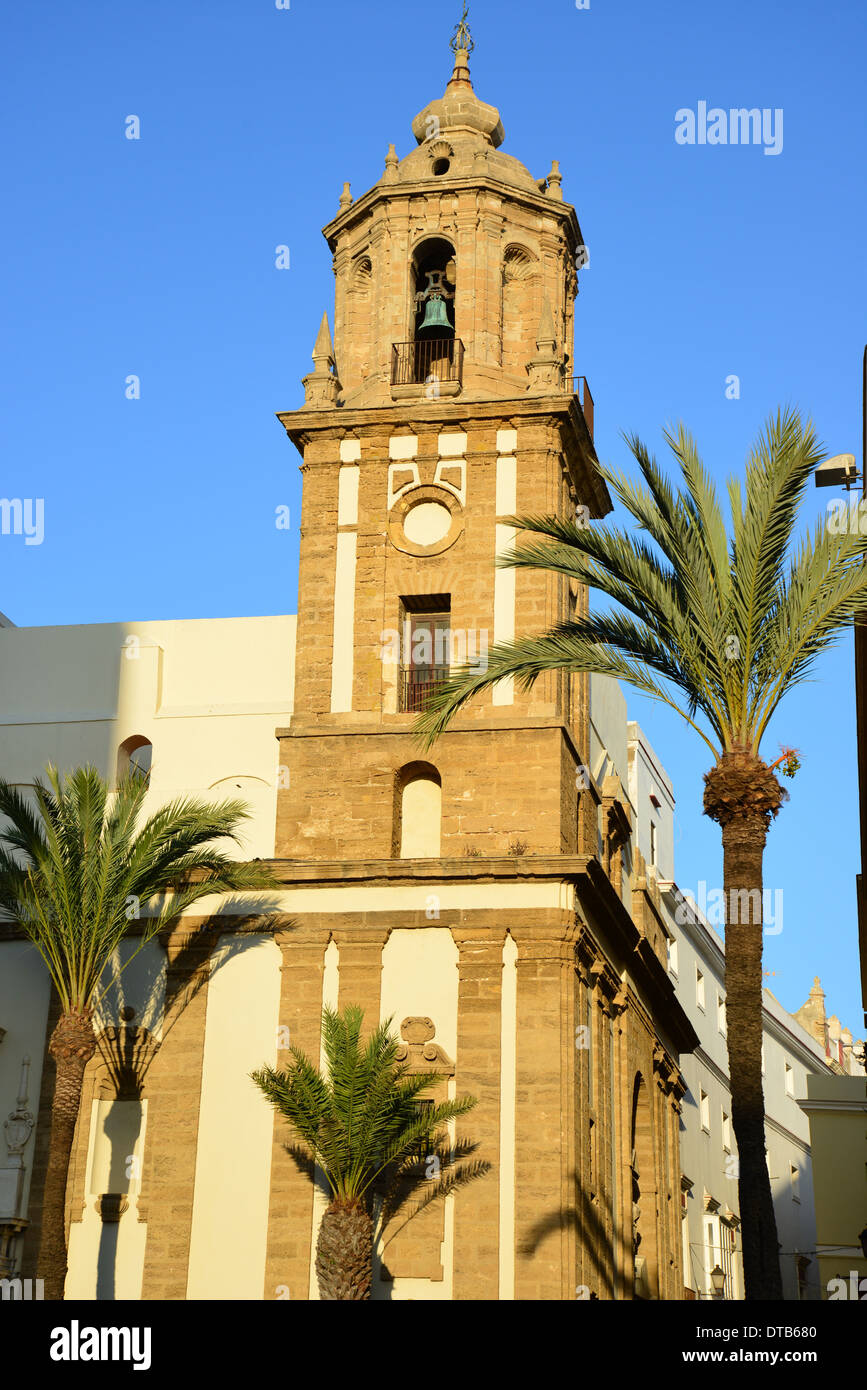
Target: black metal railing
(427,360)
(578,386)
(417,684)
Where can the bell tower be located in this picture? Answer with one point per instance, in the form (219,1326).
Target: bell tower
(479,891)
(446,403)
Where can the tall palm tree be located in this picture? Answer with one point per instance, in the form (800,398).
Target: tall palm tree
(717,624)
(78,870)
(360,1121)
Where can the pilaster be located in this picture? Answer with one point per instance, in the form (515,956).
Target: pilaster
(174,1089)
(546,1169)
(290,1211)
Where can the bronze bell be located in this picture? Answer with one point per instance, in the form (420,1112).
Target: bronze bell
(435,316)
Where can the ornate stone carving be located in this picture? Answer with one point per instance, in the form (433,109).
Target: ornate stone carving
(19,1125)
(17,1130)
(419,1052)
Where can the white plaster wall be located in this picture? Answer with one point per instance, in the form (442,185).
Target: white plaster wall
(608,725)
(207,693)
(343,638)
(420,819)
(233,1165)
(646,777)
(24,995)
(703,1158)
(420,979)
(409,898)
(106,1259)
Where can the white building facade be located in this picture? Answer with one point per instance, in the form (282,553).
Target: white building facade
(195,703)
(709,1164)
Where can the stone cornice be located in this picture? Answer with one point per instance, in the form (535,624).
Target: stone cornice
(403,725)
(392,193)
(596,893)
(517,868)
(561,408)
(851,1107)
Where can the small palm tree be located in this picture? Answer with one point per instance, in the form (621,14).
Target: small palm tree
(77,870)
(720,625)
(361,1123)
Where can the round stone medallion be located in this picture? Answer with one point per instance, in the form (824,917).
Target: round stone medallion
(427,523)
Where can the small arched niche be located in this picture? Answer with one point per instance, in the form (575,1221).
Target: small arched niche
(134,757)
(360,301)
(418,812)
(521,306)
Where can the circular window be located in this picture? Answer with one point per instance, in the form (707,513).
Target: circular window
(427,523)
(441,166)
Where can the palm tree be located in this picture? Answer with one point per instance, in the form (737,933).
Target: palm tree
(77,871)
(715,624)
(362,1124)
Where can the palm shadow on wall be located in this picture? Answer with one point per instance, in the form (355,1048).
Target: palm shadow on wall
(606,1256)
(128,1050)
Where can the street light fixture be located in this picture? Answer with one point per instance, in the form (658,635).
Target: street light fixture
(718,1279)
(839,471)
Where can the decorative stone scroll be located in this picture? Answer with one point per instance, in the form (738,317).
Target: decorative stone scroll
(418,1050)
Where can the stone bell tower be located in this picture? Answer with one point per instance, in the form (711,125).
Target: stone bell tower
(445,403)
(459,889)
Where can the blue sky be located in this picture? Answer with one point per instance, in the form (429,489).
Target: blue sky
(155,257)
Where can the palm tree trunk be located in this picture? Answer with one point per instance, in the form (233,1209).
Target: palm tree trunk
(742,795)
(743,849)
(72,1045)
(344,1252)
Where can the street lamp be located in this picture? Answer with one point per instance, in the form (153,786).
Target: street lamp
(863,1240)
(718,1279)
(839,471)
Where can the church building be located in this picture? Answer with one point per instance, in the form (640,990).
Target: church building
(488,894)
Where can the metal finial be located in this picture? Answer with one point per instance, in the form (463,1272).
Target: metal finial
(462,39)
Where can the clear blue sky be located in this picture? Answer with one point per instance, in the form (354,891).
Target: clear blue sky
(156,258)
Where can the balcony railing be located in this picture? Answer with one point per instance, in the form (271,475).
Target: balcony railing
(578,386)
(417,684)
(427,360)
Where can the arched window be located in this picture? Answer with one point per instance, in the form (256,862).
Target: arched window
(418,812)
(134,757)
(432,353)
(434,278)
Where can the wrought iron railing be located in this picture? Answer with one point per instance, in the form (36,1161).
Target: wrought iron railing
(417,684)
(427,360)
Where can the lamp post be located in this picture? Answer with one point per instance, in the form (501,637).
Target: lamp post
(718,1280)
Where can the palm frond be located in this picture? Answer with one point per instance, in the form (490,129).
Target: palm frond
(359,1119)
(709,624)
(72,862)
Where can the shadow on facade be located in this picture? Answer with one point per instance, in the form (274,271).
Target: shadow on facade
(604,1251)
(126,1052)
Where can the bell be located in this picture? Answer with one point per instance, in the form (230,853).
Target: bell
(435,316)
